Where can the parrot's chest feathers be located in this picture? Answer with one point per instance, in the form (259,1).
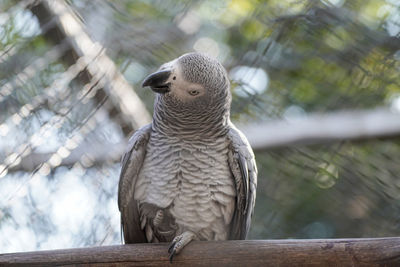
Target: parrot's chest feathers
(193,180)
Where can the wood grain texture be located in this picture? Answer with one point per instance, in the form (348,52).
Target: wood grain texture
(312,252)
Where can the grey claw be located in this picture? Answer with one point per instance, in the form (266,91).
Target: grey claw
(171,247)
(171,255)
(179,242)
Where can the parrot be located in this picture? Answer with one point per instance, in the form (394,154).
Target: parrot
(190,174)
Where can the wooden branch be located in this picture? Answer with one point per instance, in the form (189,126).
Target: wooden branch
(323,252)
(99,66)
(323,128)
(98,154)
(314,129)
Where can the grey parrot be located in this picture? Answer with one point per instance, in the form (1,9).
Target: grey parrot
(190,174)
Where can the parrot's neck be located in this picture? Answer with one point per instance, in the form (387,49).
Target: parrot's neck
(191,125)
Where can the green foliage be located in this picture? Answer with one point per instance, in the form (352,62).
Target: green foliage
(323,58)
(334,191)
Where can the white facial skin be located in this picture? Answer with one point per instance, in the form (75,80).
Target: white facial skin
(180,88)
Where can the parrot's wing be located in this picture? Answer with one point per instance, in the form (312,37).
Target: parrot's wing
(131,164)
(244,170)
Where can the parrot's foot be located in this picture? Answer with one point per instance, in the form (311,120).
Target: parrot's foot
(158,218)
(179,243)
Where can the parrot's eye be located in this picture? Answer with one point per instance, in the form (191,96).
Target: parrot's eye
(194,92)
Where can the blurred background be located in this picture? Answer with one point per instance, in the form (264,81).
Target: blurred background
(316,88)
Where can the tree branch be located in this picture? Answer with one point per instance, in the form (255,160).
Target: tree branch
(324,128)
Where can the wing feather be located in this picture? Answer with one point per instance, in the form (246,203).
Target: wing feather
(131,164)
(244,170)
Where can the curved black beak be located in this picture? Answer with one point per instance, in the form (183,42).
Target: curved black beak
(158,81)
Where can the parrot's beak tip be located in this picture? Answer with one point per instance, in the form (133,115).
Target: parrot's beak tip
(157,80)
(145,83)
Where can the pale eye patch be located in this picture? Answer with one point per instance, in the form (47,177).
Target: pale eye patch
(194,92)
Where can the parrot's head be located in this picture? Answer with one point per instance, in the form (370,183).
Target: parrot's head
(192,84)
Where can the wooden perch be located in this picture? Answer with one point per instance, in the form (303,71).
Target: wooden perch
(317,252)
